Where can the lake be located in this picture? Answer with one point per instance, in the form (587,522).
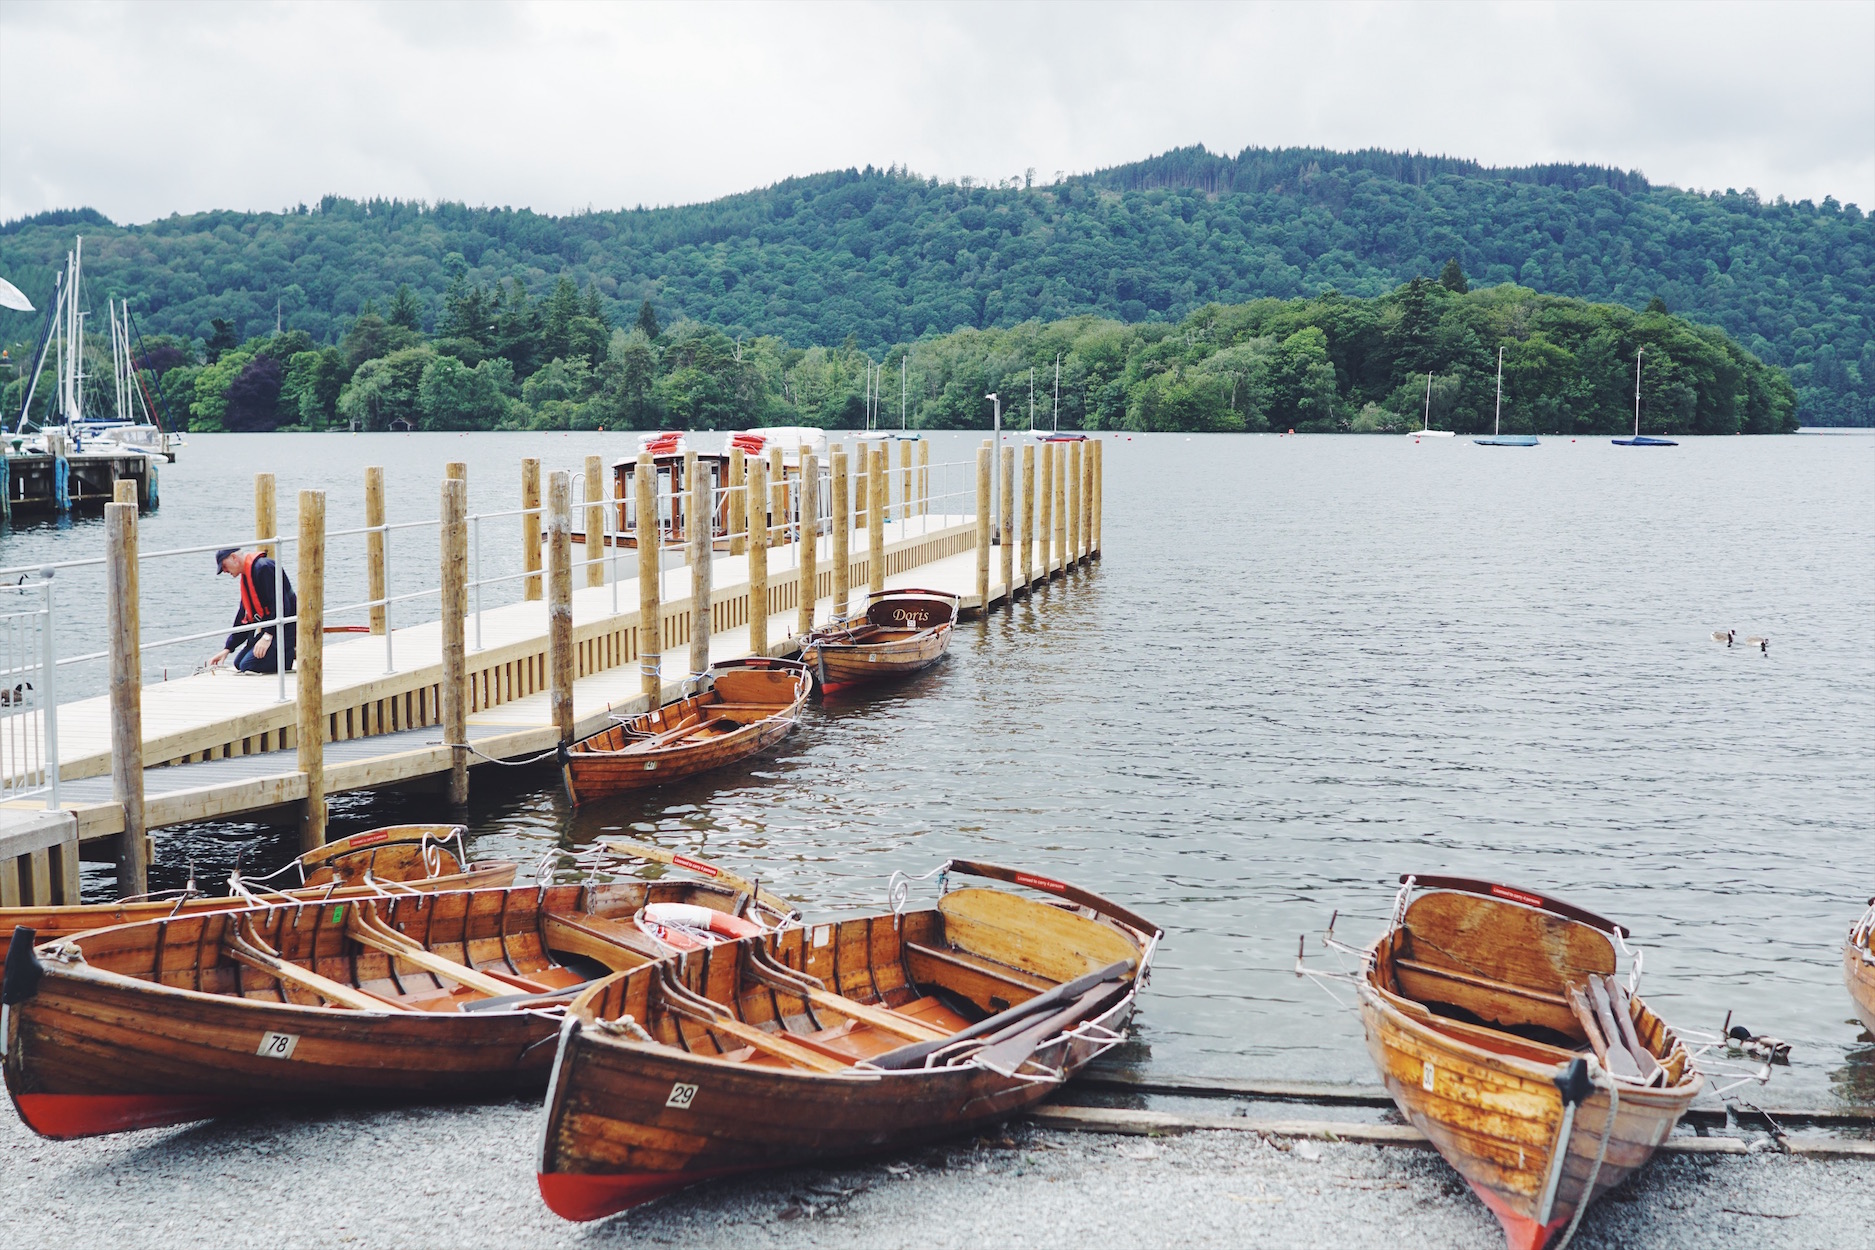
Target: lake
(1304,666)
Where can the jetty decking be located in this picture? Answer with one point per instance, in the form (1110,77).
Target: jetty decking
(526,676)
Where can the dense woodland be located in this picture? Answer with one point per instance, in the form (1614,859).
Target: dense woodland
(1165,284)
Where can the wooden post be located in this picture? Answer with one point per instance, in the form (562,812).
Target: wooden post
(1099,450)
(842,533)
(777,499)
(374,544)
(530,527)
(265,527)
(879,481)
(1009,525)
(810,540)
(702,549)
(455,597)
(650,587)
(758,557)
(924,477)
(904,480)
(595,521)
(456,471)
(1045,525)
(1075,492)
(738,503)
(1060,458)
(983,526)
(862,492)
(1028,517)
(311,667)
(560,602)
(123,610)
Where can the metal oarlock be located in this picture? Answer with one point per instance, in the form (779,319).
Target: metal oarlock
(898,886)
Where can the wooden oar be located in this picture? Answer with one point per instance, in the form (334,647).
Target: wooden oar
(1585,1016)
(1618,995)
(702,867)
(786,980)
(915,1054)
(246,946)
(367,928)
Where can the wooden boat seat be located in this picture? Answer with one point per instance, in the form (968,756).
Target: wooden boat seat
(979,980)
(1486,1038)
(670,737)
(852,1040)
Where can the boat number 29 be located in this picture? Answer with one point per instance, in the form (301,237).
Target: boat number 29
(278,1045)
(681,1094)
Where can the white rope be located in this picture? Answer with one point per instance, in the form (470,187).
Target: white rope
(1601,1152)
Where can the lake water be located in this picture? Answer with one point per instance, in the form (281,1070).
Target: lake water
(1304,666)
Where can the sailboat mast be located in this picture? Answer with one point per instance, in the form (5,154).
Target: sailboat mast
(1427,423)
(1057,418)
(1637,390)
(1031,397)
(1497,419)
(902,390)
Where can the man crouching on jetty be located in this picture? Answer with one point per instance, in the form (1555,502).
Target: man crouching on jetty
(251,645)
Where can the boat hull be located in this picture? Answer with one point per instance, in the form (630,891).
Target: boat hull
(1643,440)
(765,697)
(838,664)
(1508,440)
(1858,973)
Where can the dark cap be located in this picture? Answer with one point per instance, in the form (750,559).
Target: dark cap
(222,555)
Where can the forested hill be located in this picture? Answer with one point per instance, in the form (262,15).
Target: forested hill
(880,257)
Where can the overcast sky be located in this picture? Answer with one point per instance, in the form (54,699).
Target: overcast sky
(141,110)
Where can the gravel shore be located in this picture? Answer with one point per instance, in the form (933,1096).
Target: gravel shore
(463,1177)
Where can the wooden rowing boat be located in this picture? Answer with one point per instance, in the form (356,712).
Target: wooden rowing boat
(902,632)
(411,855)
(408,996)
(751,705)
(1493,1015)
(852,1038)
(1858,967)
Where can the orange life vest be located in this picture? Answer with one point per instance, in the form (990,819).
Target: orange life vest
(252,609)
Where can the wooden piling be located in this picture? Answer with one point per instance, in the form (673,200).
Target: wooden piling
(842,533)
(1099,453)
(904,491)
(983,526)
(810,540)
(758,558)
(862,488)
(1060,458)
(738,502)
(595,521)
(1027,540)
(266,527)
(374,545)
(879,482)
(122,609)
(924,478)
(455,612)
(1008,524)
(650,587)
(1045,523)
(1086,548)
(530,527)
(124,490)
(1073,501)
(560,603)
(456,471)
(311,667)
(777,499)
(702,499)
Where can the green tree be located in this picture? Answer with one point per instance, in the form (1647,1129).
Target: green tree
(406,310)
(313,382)
(648,321)
(453,396)
(1452,277)
(386,389)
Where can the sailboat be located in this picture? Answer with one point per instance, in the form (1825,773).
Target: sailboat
(1498,437)
(1428,431)
(1640,439)
(130,423)
(1053,434)
(872,406)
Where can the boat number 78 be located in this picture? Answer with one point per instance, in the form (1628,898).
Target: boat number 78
(681,1094)
(277,1045)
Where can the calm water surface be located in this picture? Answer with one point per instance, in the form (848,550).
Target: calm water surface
(1305,666)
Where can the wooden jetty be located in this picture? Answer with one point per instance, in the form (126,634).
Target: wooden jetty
(431,701)
(64,479)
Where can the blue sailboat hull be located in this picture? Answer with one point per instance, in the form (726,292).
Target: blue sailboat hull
(1641,440)
(1507,440)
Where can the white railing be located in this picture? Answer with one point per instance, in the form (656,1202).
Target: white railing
(29,723)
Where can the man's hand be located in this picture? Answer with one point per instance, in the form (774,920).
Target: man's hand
(263,646)
(216,660)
